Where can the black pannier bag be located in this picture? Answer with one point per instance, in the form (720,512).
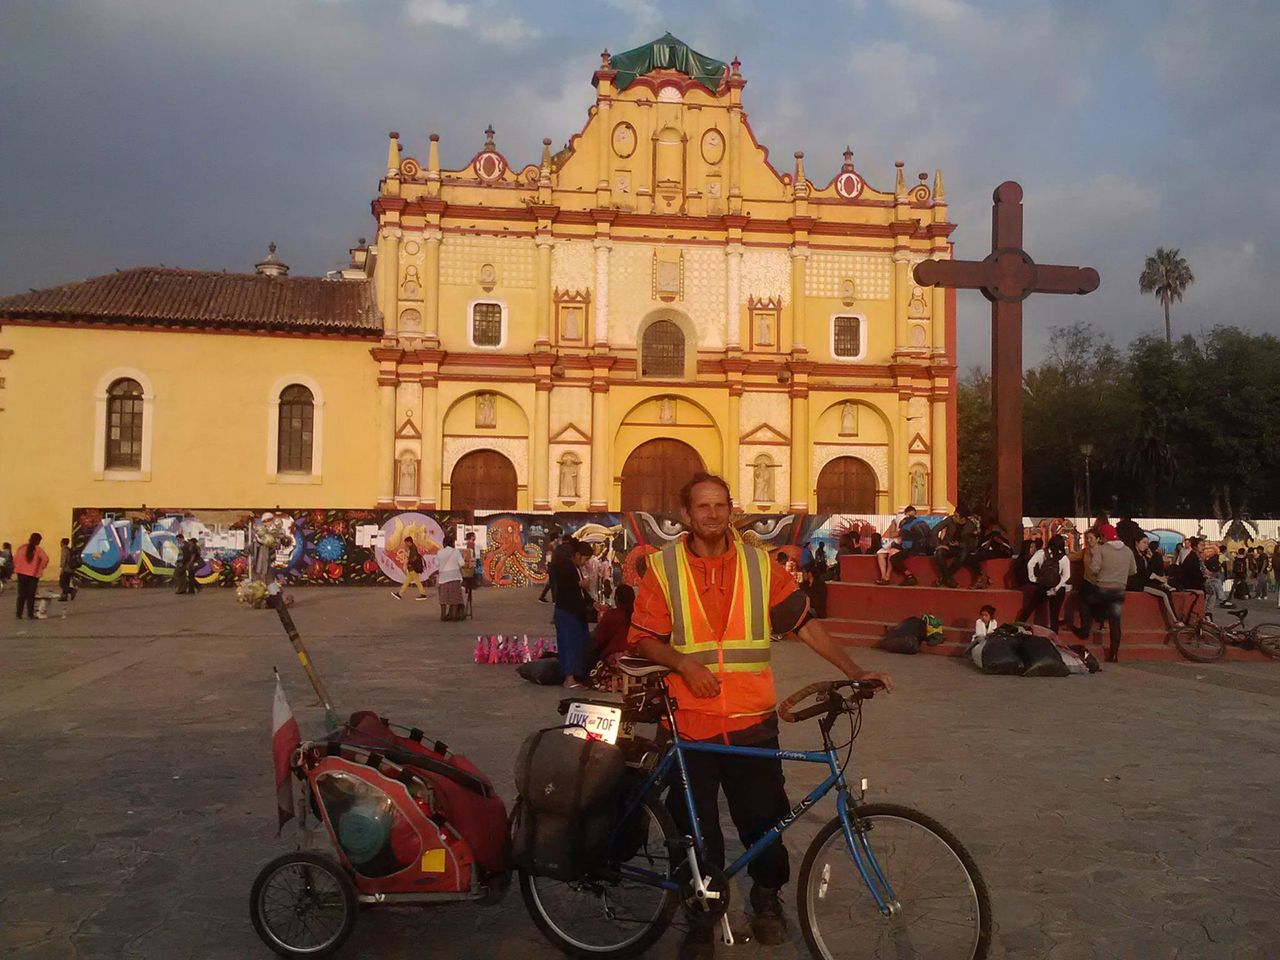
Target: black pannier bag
(1002,652)
(568,803)
(1042,658)
(905,637)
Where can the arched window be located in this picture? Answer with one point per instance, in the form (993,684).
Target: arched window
(297,418)
(124,425)
(662,350)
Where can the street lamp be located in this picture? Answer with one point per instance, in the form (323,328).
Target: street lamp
(1087,450)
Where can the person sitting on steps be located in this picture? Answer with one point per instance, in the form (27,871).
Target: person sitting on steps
(957,539)
(914,535)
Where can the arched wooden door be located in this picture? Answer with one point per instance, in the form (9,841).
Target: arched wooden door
(483,480)
(847,485)
(655,472)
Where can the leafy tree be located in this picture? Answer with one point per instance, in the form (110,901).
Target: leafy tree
(976,461)
(1166,275)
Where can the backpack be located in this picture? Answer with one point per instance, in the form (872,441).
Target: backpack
(415,561)
(1047,574)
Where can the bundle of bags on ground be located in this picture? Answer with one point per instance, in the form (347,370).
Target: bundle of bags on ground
(908,635)
(1029,650)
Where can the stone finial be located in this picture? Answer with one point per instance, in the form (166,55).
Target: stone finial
(546,152)
(606,62)
(735,65)
(799,166)
(939,194)
(488,138)
(270,266)
(900,183)
(848,157)
(433,155)
(393,154)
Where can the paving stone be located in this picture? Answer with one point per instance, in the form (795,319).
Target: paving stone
(1123,815)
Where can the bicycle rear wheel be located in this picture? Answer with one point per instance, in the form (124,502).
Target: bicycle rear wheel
(1267,636)
(619,917)
(1199,643)
(942,910)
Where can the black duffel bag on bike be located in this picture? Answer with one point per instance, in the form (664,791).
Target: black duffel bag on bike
(568,803)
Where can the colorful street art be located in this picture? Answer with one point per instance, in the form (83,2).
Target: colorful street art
(138,547)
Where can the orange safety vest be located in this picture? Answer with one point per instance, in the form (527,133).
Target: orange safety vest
(740,657)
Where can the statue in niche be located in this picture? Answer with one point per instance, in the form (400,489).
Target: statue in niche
(572,323)
(666,410)
(762,480)
(848,419)
(486,410)
(764,328)
(569,465)
(407,476)
(847,291)
(919,485)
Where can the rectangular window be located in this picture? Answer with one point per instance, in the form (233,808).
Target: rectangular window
(486,324)
(846,337)
(124,438)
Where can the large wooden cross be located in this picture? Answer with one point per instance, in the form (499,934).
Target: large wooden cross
(1006,278)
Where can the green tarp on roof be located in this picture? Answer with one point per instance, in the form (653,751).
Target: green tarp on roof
(667,53)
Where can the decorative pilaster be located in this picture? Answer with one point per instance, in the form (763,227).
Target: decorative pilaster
(732,472)
(601,299)
(432,239)
(800,448)
(901,298)
(601,482)
(538,462)
(542,313)
(733,295)
(938,442)
(389,279)
(792,333)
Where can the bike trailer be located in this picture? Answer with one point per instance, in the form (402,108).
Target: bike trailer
(567,808)
(459,798)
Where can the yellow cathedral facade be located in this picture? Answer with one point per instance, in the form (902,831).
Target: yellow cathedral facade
(578,333)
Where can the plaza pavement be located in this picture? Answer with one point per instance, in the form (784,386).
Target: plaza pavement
(1129,814)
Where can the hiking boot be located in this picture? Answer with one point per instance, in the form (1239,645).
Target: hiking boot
(768,924)
(699,942)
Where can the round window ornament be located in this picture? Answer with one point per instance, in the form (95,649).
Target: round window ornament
(848,185)
(624,140)
(489,167)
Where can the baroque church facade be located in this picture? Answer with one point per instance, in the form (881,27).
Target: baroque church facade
(579,333)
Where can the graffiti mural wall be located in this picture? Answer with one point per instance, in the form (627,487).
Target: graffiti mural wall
(139,547)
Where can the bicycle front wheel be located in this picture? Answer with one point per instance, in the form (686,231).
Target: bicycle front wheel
(1267,636)
(615,914)
(1199,643)
(942,910)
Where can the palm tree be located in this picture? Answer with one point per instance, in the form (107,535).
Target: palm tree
(1166,275)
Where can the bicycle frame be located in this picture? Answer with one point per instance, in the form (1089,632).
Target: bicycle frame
(855,837)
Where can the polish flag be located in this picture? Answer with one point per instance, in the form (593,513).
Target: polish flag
(285,737)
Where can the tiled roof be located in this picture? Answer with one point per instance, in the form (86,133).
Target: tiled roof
(167,297)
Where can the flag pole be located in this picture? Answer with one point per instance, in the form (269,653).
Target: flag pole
(277,601)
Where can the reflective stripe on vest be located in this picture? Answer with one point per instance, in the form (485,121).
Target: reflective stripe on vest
(748,619)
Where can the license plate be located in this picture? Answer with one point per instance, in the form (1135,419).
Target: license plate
(591,721)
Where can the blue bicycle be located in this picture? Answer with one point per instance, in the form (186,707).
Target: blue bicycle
(879,880)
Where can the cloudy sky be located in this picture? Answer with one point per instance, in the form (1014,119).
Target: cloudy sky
(161,131)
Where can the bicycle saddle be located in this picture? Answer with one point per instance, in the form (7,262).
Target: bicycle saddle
(640,667)
(1239,614)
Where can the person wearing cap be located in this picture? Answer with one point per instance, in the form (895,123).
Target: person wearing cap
(1112,565)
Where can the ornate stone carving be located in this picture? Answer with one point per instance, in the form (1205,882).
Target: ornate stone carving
(514,449)
(762,472)
(920,485)
(486,410)
(573,265)
(407,475)
(463,257)
(570,465)
(875,455)
(872,275)
(765,274)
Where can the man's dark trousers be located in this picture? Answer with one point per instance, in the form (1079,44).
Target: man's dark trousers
(755,790)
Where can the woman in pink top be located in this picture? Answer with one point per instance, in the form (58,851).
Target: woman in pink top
(29,562)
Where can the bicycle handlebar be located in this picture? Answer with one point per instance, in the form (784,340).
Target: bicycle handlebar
(862,690)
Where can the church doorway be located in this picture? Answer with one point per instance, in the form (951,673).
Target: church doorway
(847,485)
(655,472)
(483,480)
